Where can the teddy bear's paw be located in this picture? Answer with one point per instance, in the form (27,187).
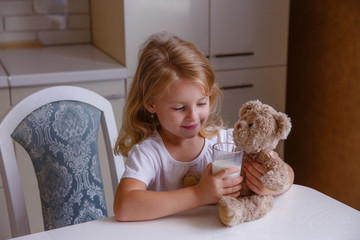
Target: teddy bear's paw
(275,181)
(191,178)
(257,206)
(230,211)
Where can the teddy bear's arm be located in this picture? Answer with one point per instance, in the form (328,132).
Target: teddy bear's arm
(276,177)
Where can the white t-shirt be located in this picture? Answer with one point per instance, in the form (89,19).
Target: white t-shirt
(151,163)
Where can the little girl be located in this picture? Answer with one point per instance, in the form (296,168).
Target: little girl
(169,127)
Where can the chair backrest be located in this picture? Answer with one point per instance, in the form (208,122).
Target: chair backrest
(58,127)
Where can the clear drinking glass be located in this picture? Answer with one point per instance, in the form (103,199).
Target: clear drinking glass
(227,155)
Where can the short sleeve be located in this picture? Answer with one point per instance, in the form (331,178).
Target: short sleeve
(140,165)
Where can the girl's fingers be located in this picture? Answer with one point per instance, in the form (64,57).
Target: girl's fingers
(233,181)
(258,167)
(253,177)
(255,169)
(253,187)
(255,184)
(208,169)
(235,195)
(232,190)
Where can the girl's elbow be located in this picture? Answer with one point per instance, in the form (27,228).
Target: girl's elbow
(120,213)
(120,217)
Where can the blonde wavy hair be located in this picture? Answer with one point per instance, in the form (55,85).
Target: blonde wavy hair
(164,60)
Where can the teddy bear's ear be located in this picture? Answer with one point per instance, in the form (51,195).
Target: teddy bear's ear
(283,125)
(248,106)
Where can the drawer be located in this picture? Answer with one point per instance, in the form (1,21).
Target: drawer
(266,84)
(240,40)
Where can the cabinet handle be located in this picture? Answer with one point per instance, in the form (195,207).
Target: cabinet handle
(114,96)
(237,86)
(241,54)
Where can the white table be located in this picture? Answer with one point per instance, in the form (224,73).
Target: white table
(301,213)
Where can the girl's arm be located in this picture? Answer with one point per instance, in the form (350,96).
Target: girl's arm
(134,203)
(254,172)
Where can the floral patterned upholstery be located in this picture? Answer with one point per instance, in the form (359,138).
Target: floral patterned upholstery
(61,139)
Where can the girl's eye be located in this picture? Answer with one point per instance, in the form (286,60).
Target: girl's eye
(202,103)
(179,108)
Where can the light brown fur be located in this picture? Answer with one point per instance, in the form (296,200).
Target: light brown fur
(257,132)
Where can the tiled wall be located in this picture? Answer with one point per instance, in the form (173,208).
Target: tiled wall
(52,22)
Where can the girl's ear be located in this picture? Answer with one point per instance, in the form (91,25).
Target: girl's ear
(150,107)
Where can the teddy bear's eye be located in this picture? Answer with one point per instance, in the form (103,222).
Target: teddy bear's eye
(250,124)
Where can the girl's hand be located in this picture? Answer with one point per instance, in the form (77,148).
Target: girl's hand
(254,171)
(211,188)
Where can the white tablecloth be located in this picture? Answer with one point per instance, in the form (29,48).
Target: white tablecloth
(301,213)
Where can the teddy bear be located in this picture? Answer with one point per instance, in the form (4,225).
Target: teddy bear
(257,131)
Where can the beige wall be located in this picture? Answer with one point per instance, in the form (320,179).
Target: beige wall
(323,97)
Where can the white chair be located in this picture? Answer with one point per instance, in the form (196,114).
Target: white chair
(58,128)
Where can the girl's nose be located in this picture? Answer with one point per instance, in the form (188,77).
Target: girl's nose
(192,114)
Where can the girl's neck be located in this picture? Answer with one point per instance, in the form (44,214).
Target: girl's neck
(183,149)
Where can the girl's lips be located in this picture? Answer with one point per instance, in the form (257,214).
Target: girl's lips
(191,127)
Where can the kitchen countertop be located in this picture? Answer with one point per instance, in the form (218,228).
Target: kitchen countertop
(58,65)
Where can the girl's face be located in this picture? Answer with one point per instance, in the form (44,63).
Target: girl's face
(182,111)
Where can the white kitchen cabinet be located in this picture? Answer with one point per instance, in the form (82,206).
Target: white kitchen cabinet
(248,50)
(187,19)
(239,86)
(4,101)
(4,107)
(4,92)
(248,33)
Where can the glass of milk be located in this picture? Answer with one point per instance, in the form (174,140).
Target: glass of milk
(226,155)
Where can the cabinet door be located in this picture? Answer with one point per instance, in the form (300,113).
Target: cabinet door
(265,84)
(187,19)
(4,101)
(248,33)
(4,220)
